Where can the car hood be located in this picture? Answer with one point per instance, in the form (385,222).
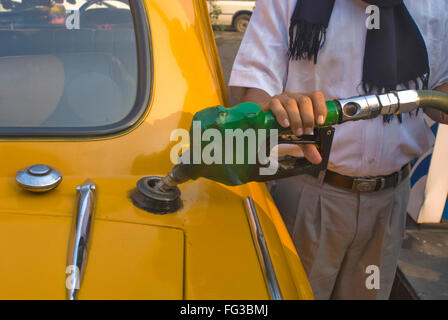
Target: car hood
(125,261)
(203,251)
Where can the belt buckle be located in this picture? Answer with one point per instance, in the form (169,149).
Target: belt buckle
(365,184)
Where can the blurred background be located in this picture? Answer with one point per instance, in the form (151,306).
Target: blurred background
(230,19)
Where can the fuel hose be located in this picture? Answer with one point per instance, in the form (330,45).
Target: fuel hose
(433,99)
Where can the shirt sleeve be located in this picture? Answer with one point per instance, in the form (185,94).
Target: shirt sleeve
(439,73)
(262,60)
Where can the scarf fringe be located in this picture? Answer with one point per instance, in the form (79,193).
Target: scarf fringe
(305,40)
(421,82)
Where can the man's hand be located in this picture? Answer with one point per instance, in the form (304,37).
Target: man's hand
(296,110)
(438,115)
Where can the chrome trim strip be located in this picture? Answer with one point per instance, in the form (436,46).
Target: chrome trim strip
(262,250)
(79,237)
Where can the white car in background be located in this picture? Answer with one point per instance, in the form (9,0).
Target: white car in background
(231,13)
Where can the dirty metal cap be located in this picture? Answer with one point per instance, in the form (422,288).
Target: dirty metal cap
(38,178)
(149,197)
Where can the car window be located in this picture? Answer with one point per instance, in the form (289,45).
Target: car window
(66,64)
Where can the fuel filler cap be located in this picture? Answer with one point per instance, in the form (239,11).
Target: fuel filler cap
(38,178)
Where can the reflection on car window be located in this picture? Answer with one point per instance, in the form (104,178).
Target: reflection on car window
(66,63)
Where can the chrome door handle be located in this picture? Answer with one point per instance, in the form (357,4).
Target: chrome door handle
(80,236)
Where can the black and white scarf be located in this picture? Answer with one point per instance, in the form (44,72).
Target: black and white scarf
(395,54)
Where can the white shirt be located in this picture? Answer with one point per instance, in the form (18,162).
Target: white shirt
(360,148)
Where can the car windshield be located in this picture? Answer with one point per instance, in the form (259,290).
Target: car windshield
(66,63)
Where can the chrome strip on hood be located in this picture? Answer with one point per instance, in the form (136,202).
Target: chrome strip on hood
(262,250)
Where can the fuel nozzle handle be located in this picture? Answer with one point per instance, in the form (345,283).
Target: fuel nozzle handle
(251,116)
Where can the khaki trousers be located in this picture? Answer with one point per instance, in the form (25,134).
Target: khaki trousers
(339,233)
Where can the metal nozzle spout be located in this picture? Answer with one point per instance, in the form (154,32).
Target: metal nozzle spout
(173,179)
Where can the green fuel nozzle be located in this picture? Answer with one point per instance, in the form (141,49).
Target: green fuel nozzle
(250,116)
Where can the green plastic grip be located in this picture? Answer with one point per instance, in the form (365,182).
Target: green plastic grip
(241,117)
(250,115)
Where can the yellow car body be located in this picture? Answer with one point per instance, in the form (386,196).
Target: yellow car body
(203,251)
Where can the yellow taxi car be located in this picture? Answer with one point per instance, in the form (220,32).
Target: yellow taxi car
(89,94)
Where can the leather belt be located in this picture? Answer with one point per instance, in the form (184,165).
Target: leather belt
(367,184)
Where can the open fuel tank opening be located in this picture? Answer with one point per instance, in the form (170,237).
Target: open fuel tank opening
(152,197)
